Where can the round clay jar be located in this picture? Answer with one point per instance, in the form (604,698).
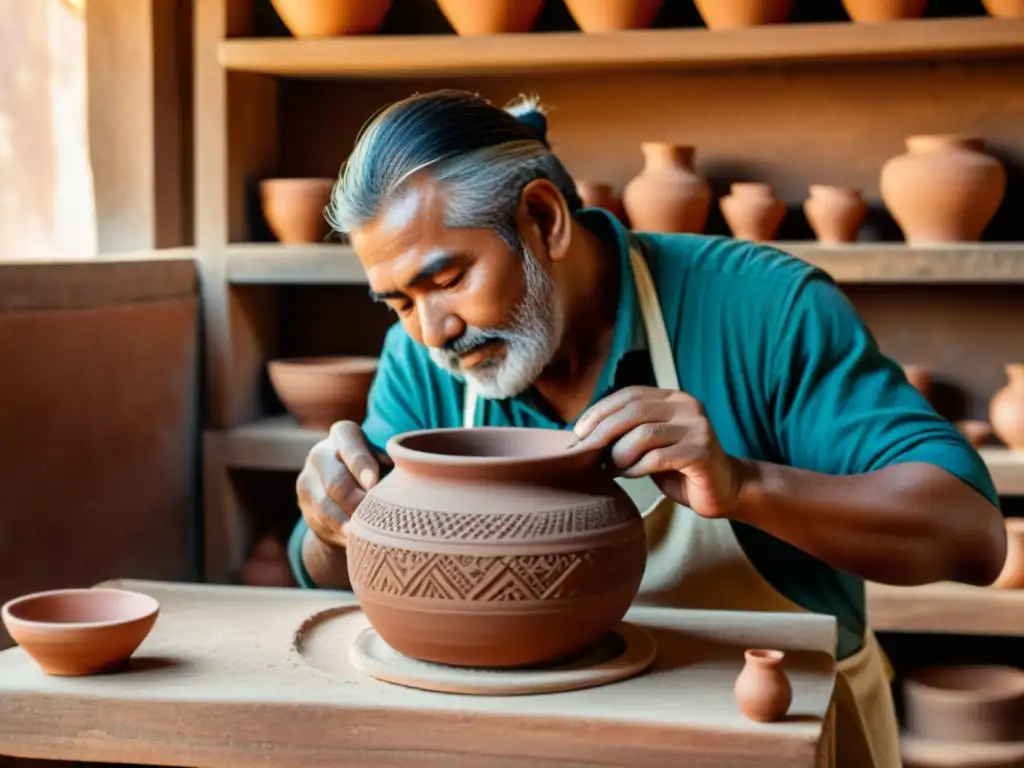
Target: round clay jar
(1004,9)
(762,689)
(835,213)
(597,16)
(944,189)
(752,211)
(494,547)
(1006,409)
(330,18)
(884,10)
(1012,574)
(492,17)
(731,14)
(667,195)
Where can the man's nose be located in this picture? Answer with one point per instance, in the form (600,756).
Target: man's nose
(437,324)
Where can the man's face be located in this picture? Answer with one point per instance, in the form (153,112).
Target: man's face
(487,313)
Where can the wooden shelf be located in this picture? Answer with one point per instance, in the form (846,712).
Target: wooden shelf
(856,263)
(391,56)
(1006,468)
(947,608)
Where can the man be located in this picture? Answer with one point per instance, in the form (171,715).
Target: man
(779,458)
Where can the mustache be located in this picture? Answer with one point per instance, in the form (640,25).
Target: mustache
(470,340)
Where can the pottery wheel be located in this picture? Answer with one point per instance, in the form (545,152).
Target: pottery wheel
(624,652)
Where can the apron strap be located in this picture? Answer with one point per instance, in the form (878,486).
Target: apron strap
(662,358)
(469,407)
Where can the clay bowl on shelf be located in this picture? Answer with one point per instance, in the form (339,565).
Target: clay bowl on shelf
(70,632)
(294,208)
(973,703)
(330,18)
(319,391)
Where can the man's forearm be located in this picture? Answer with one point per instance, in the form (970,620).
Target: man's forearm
(906,524)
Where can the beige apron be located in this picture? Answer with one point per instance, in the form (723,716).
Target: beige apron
(693,562)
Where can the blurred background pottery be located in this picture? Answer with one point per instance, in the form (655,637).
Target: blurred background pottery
(884,10)
(667,195)
(975,430)
(1006,409)
(1012,574)
(730,14)
(330,18)
(919,377)
(972,703)
(71,632)
(596,194)
(599,16)
(319,391)
(835,213)
(1004,9)
(294,208)
(752,211)
(762,689)
(490,17)
(267,565)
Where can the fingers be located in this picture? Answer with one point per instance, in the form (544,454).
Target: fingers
(350,444)
(604,408)
(324,518)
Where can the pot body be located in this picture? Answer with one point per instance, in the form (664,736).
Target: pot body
(943,189)
(731,14)
(884,10)
(1004,9)
(494,547)
(294,208)
(613,15)
(762,689)
(667,195)
(752,211)
(1006,409)
(972,703)
(318,391)
(835,213)
(490,17)
(330,18)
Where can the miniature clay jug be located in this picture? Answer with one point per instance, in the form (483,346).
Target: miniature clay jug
(494,547)
(884,10)
(1004,9)
(945,188)
(1006,409)
(330,18)
(752,211)
(762,689)
(667,195)
(612,15)
(490,17)
(1012,574)
(597,194)
(730,14)
(835,213)
(267,566)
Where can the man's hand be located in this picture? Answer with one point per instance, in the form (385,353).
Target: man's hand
(666,435)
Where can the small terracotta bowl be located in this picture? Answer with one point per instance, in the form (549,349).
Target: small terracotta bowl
(319,391)
(974,703)
(294,208)
(70,632)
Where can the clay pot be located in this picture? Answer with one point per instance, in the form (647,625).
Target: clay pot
(975,703)
(490,17)
(329,18)
(613,15)
(318,391)
(667,195)
(920,377)
(762,688)
(1004,9)
(752,211)
(1006,409)
(267,565)
(884,10)
(835,213)
(730,14)
(494,547)
(975,430)
(1012,574)
(70,632)
(294,208)
(596,194)
(944,189)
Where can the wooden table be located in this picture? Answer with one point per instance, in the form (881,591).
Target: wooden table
(223,680)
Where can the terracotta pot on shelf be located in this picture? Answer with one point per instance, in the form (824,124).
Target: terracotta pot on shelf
(267,565)
(975,430)
(294,208)
(762,689)
(490,17)
(598,194)
(752,211)
(965,703)
(731,14)
(598,16)
(446,575)
(1006,409)
(945,188)
(318,391)
(1004,9)
(920,377)
(331,18)
(835,213)
(667,195)
(1012,574)
(884,10)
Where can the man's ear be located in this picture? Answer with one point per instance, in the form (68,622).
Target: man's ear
(543,210)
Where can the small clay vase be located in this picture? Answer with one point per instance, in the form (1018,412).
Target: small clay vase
(1004,9)
(731,14)
(835,213)
(667,195)
(599,16)
(752,211)
(330,18)
(944,189)
(318,391)
(884,10)
(920,377)
(490,17)
(598,194)
(1006,409)
(975,430)
(446,574)
(762,688)
(1012,574)
(267,565)
(977,703)
(294,208)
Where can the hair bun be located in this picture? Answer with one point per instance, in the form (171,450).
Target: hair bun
(537,122)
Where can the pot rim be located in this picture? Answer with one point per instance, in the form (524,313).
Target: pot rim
(327,363)
(7,611)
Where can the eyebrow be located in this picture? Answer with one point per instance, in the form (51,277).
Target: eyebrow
(434,266)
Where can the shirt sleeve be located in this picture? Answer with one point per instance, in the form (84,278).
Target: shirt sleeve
(842,407)
(391,410)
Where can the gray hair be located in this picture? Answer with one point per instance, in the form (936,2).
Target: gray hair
(483,155)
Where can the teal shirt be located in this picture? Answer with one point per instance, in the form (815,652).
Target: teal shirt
(775,352)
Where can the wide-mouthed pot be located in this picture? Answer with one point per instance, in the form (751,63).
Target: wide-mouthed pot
(495,547)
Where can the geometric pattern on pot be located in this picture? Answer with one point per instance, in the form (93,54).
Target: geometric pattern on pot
(494,578)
